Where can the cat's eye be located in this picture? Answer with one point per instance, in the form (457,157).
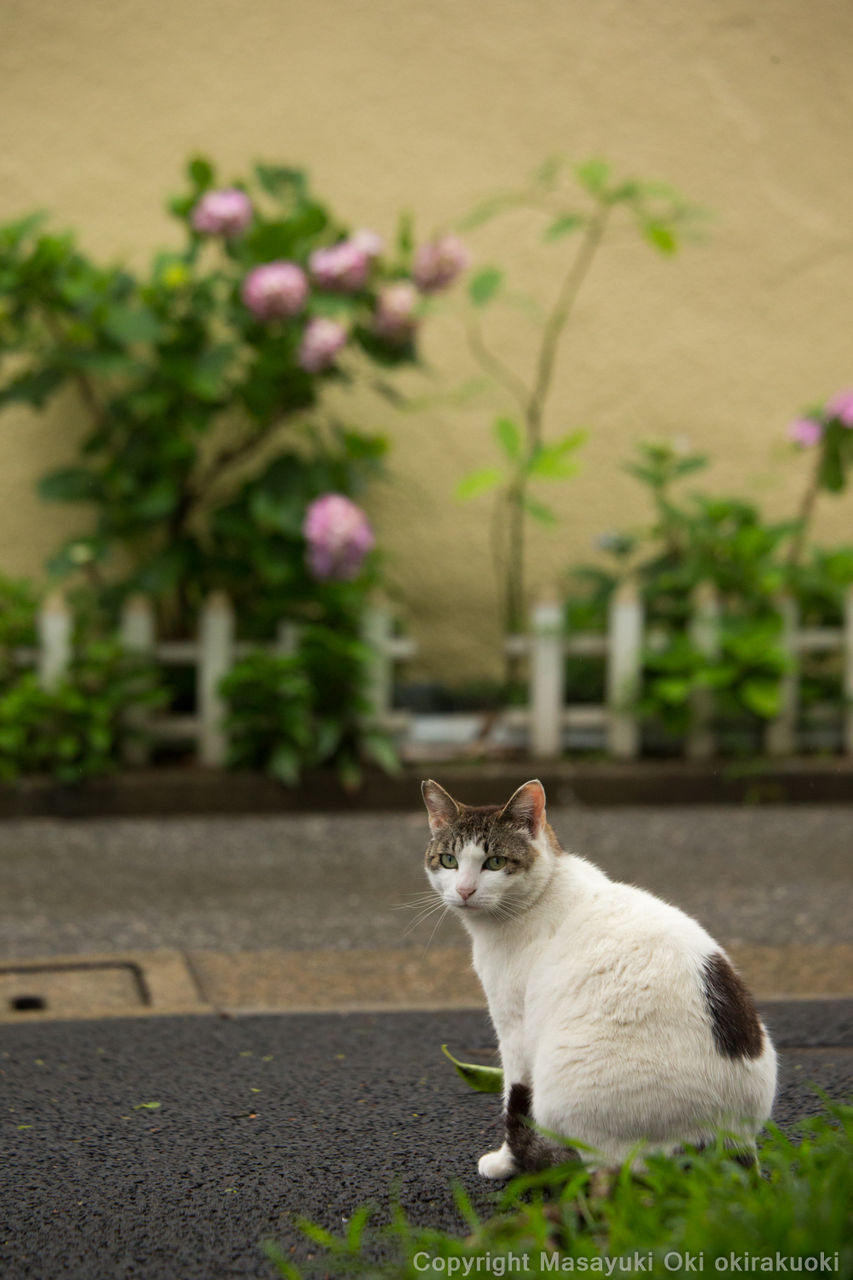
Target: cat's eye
(448,860)
(495,863)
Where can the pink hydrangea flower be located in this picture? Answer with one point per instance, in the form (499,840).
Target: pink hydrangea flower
(275,290)
(321,342)
(841,407)
(370,242)
(396,315)
(805,431)
(222,213)
(438,263)
(339,536)
(343,267)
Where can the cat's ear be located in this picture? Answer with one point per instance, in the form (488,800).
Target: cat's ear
(526,807)
(441,807)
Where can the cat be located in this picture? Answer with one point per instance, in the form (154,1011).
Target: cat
(621,1023)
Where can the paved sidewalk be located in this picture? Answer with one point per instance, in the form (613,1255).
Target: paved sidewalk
(769,876)
(302,912)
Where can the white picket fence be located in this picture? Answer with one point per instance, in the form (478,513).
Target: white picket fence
(543,727)
(212,654)
(547,717)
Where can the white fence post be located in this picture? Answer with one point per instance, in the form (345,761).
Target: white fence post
(137,635)
(780,738)
(377,629)
(547,679)
(286,638)
(847,657)
(216,656)
(705,634)
(55,627)
(624,671)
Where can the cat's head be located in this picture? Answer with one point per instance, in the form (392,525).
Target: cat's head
(489,860)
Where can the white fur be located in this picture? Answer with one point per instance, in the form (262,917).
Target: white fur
(595,991)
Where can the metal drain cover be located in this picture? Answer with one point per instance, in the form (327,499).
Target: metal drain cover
(71,990)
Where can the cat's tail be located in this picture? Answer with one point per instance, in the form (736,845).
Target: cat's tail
(531,1149)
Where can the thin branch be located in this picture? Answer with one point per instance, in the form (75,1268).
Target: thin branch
(556,321)
(487,360)
(805,514)
(83,384)
(197,491)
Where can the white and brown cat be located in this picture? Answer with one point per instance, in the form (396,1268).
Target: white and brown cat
(621,1022)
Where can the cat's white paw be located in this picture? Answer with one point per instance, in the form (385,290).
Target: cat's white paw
(497,1164)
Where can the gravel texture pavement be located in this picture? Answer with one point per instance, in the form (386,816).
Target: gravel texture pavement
(769,875)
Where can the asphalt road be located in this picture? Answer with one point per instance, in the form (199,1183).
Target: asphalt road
(261,1120)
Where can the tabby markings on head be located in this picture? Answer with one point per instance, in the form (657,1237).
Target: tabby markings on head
(481,826)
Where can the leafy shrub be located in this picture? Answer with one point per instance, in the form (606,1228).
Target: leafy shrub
(726,543)
(575,219)
(309,709)
(80,727)
(209,442)
(202,381)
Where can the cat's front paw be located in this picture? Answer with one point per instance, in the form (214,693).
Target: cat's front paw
(497,1164)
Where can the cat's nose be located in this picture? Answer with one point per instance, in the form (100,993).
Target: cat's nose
(465,891)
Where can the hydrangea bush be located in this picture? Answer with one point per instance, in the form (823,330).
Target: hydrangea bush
(751,562)
(210,459)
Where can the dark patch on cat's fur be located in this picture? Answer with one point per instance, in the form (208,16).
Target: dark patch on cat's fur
(735,1024)
(531,1150)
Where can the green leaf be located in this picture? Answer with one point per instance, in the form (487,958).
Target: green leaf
(594,175)
(154,502)
(132,324)
(563,226)
(546,174)
(508,435)
(831,474)
(673,690)
(405,234)
(761,696)
(280,181)
(489,209)
(540,512)
(284,764)
(552,461)
(147,1106)
(349,771)
(75,554)
(34,388)
(105,364)
(661,238)
(201,172)
(479,482)
(483,1079)
(70,484)
(379,747)
(484,285)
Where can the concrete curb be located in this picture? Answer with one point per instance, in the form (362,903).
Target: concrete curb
(192,791)
(154,983)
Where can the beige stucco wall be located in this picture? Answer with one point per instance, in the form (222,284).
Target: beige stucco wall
(430,105)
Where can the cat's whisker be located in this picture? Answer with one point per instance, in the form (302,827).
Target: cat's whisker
(437,926)
(418,900)
(424,914)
